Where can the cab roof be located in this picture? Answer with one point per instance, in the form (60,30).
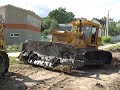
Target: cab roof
(84,22)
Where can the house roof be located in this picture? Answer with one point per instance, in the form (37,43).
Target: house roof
(28,11)
(100,21)
(65,25)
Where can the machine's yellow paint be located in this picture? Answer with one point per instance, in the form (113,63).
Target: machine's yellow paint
(2,41)
(77,38)
(4,60)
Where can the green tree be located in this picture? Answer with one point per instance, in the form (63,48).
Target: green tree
(117,28)
(54,24)
(103,26)
(61,15)
(45,32)
(111,28)
(114,28)
(48,25)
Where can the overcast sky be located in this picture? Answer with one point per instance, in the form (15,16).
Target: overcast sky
(81,8)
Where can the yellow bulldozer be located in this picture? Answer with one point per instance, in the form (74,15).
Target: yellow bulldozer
(69,49)
(4,60)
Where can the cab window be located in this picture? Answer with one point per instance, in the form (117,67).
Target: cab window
(86,31)
(93,35)
(94,30)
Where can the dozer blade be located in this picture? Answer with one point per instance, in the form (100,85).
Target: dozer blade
(59,56)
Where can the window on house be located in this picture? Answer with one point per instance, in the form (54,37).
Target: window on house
(14,35)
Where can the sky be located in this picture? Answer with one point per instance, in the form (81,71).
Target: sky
(81,8)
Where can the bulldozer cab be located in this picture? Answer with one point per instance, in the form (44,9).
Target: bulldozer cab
(90,32)
(84,34)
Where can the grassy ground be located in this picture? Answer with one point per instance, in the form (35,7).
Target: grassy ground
(117,46)
(110,46)
(14,64)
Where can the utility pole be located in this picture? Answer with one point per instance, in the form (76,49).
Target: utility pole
(107,23)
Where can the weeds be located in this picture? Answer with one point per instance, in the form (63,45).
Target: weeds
(13,48)
(14,64)
(106,39)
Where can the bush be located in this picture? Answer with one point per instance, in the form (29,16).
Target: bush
(106,39)
(13,48)
(46,32)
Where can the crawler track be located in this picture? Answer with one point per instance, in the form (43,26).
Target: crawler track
(61,56)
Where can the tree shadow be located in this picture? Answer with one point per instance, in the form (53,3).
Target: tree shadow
(17,81)
(88,71)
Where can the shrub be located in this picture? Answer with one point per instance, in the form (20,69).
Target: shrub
(46,32)
(13,48)
(106,39)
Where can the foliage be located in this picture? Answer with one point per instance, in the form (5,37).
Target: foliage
(56,16)
(46,23)
(53,24)
(44,38)
(103,26)
(111,28)
(117,29)
(61,15)
(46,32)
(13,48)
(49,23)
(106,39)
(114,28)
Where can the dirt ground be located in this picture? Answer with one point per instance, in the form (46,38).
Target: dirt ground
(27,77)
